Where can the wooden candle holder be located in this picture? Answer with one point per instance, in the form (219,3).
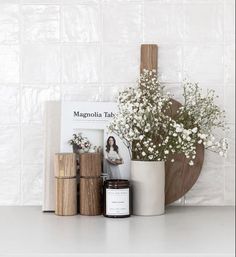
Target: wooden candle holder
(90,184)
(90,165)
(66,196)
(65,184)
(65,165)
(90,196)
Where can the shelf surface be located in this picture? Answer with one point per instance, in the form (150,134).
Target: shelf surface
(182,231)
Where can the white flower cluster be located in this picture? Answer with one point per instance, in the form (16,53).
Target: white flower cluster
(151,134)
(144,124)
(80,142)
(201,111)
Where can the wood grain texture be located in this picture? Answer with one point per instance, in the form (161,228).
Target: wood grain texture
(148,57)
(180,177)
(90,196)
(66,196)
(65,165)
(90,165)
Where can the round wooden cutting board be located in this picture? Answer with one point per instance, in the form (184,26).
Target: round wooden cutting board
(180,176)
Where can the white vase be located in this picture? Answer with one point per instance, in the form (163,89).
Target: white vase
(148,183)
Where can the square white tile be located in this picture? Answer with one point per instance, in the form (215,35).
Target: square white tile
(40,23)
(229,63)
(9,23)
(110,92)
(229,22)
(9,144)
(9,105)
(10,184)
(163,23)
(121,63)
(73,2)
(9,64)
(105,93)
(230,168)
(9,2)
(81,64)
(32,184)
(203,22)
(51,2)
(122,22)
(229,185)
(41,64)
(33,100)
(81,23)
(82,92)
(32,144)
(123,1)
(204,63)
(203,1)
(229,103)
(170,63)
(209,189)
(230,159)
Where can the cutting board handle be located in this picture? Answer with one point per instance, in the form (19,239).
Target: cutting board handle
(148,57)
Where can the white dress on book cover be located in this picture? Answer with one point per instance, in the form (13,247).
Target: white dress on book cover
(112,169)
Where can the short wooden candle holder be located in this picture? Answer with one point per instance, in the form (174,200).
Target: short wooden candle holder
(90,196)
(65,184)
(90,184)
(66,196)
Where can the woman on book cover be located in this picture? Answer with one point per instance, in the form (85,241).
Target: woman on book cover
(113,159)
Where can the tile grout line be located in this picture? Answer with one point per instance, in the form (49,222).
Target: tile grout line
(101,21)
(142,21)
(183,199)
(74,43)
(20,101)
(61,46)
(223,61)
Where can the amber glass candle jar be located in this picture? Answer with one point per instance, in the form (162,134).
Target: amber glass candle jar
(117,197)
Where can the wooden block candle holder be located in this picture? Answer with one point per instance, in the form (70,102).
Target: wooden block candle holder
(65,184)
(90,184)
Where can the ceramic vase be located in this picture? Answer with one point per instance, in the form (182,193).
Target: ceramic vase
(148,187)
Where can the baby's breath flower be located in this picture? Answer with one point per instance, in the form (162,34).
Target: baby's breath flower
(191,163)
(142,121)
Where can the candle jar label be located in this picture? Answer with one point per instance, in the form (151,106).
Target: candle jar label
(117,202)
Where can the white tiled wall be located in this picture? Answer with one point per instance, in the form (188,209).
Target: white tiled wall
(88,50)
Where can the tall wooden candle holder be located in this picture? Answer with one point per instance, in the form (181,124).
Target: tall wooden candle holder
(90,184)
(66,184)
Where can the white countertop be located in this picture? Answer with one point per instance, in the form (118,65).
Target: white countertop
(182,231)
